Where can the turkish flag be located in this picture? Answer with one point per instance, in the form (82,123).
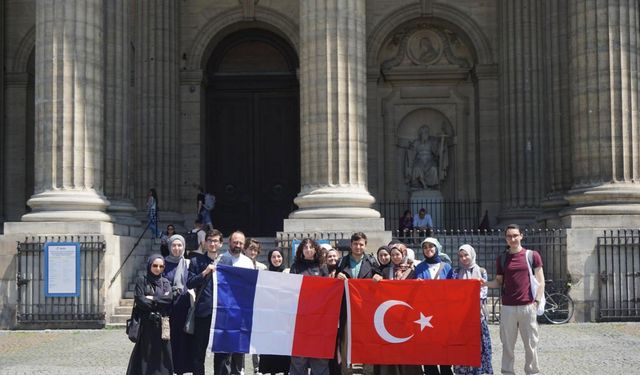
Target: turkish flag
(414,322)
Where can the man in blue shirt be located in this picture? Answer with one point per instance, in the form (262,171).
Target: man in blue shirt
(422,220)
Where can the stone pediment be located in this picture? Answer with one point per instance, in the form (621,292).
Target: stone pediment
(425,50)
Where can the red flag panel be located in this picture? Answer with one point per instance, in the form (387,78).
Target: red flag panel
(318,317)
(415,322)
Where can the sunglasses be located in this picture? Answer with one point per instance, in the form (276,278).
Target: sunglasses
(157,266)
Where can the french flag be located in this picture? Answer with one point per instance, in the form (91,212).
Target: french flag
(263,312)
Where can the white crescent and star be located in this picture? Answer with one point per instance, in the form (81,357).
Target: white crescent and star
(381,329)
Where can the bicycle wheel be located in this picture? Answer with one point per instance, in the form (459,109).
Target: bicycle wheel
(559,308)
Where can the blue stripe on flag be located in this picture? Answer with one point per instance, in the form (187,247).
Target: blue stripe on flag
(234,314)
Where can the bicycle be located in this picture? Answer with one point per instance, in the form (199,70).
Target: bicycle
(558,309)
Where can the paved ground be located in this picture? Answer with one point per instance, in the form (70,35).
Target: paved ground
(602,348)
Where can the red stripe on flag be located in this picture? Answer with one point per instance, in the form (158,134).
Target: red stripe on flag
(418,322)
(318,317)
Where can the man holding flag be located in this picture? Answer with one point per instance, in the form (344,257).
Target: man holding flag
(200,270)
(357,265)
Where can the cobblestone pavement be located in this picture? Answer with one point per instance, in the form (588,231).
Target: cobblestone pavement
(589,348)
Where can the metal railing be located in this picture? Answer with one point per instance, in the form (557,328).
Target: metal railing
(35,310)
(618,254)
(489,244)
(284,241)
(445,214)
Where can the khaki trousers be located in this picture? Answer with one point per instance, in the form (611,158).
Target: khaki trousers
(523,319)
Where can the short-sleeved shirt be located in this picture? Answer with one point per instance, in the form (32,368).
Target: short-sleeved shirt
(516,284)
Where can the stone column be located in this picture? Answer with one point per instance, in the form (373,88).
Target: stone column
(157,139)
(556,109)
(604,67)
(333,111)
(117,110)
(521,109)
(69,112)
(2,119)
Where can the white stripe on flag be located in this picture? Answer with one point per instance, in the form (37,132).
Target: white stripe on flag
(214,292)
(274,312)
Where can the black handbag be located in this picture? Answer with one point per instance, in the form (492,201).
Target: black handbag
(133,325)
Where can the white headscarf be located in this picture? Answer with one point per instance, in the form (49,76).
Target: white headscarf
(471,271)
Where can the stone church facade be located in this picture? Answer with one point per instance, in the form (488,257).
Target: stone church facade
(298,115)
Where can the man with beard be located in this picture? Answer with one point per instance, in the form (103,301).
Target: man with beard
(232,363)
(200,271)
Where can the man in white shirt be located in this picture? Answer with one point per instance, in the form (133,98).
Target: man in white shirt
(235,257)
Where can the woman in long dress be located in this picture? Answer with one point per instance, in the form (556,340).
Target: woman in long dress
(274,364)
(153,298)
(470,270)
(152,213)
(177,272)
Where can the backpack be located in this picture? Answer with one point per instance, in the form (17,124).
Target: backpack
(191,240)
(209,201)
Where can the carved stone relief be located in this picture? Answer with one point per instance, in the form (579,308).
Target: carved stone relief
(425,45)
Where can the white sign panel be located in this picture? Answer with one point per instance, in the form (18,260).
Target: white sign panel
(62,269)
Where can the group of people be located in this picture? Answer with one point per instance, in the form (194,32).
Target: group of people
(205,202)
(174,283)
(422,221)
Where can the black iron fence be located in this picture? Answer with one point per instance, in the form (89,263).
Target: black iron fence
(619,275)
(488,244)
(36,310)
(445,214)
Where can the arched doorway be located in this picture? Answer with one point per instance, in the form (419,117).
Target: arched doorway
(251,138)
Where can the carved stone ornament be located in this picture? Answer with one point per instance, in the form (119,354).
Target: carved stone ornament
(424,47)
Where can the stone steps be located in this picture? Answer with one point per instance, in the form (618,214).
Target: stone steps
(121,313)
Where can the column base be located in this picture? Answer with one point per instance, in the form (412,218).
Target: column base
(68,205)
(123,212)
(334,202)
(614,205)
(520,216)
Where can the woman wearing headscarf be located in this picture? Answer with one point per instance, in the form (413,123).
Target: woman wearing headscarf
(397,269)
(383,256)
(273,364)
(177,272)
(434,268)
(153,299)
(468,269)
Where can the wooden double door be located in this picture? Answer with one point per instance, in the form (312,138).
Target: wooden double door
(253,158)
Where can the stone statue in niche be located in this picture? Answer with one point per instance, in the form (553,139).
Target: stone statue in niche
(426,160)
